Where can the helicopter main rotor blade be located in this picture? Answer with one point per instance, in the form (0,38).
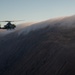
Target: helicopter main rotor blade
(12,21)
(6,21)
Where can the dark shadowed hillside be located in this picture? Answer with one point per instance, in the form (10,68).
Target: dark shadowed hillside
(45,51)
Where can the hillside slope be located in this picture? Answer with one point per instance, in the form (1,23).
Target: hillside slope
(44,51)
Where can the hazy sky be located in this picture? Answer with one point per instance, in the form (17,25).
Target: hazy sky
(35,10)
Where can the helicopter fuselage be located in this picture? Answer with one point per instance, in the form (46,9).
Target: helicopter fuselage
(8,26)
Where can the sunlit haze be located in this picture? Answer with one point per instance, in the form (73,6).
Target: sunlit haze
(35,10)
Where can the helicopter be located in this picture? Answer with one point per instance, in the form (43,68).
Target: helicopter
(9,25)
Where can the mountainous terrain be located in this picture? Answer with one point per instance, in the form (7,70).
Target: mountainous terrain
(44,48)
